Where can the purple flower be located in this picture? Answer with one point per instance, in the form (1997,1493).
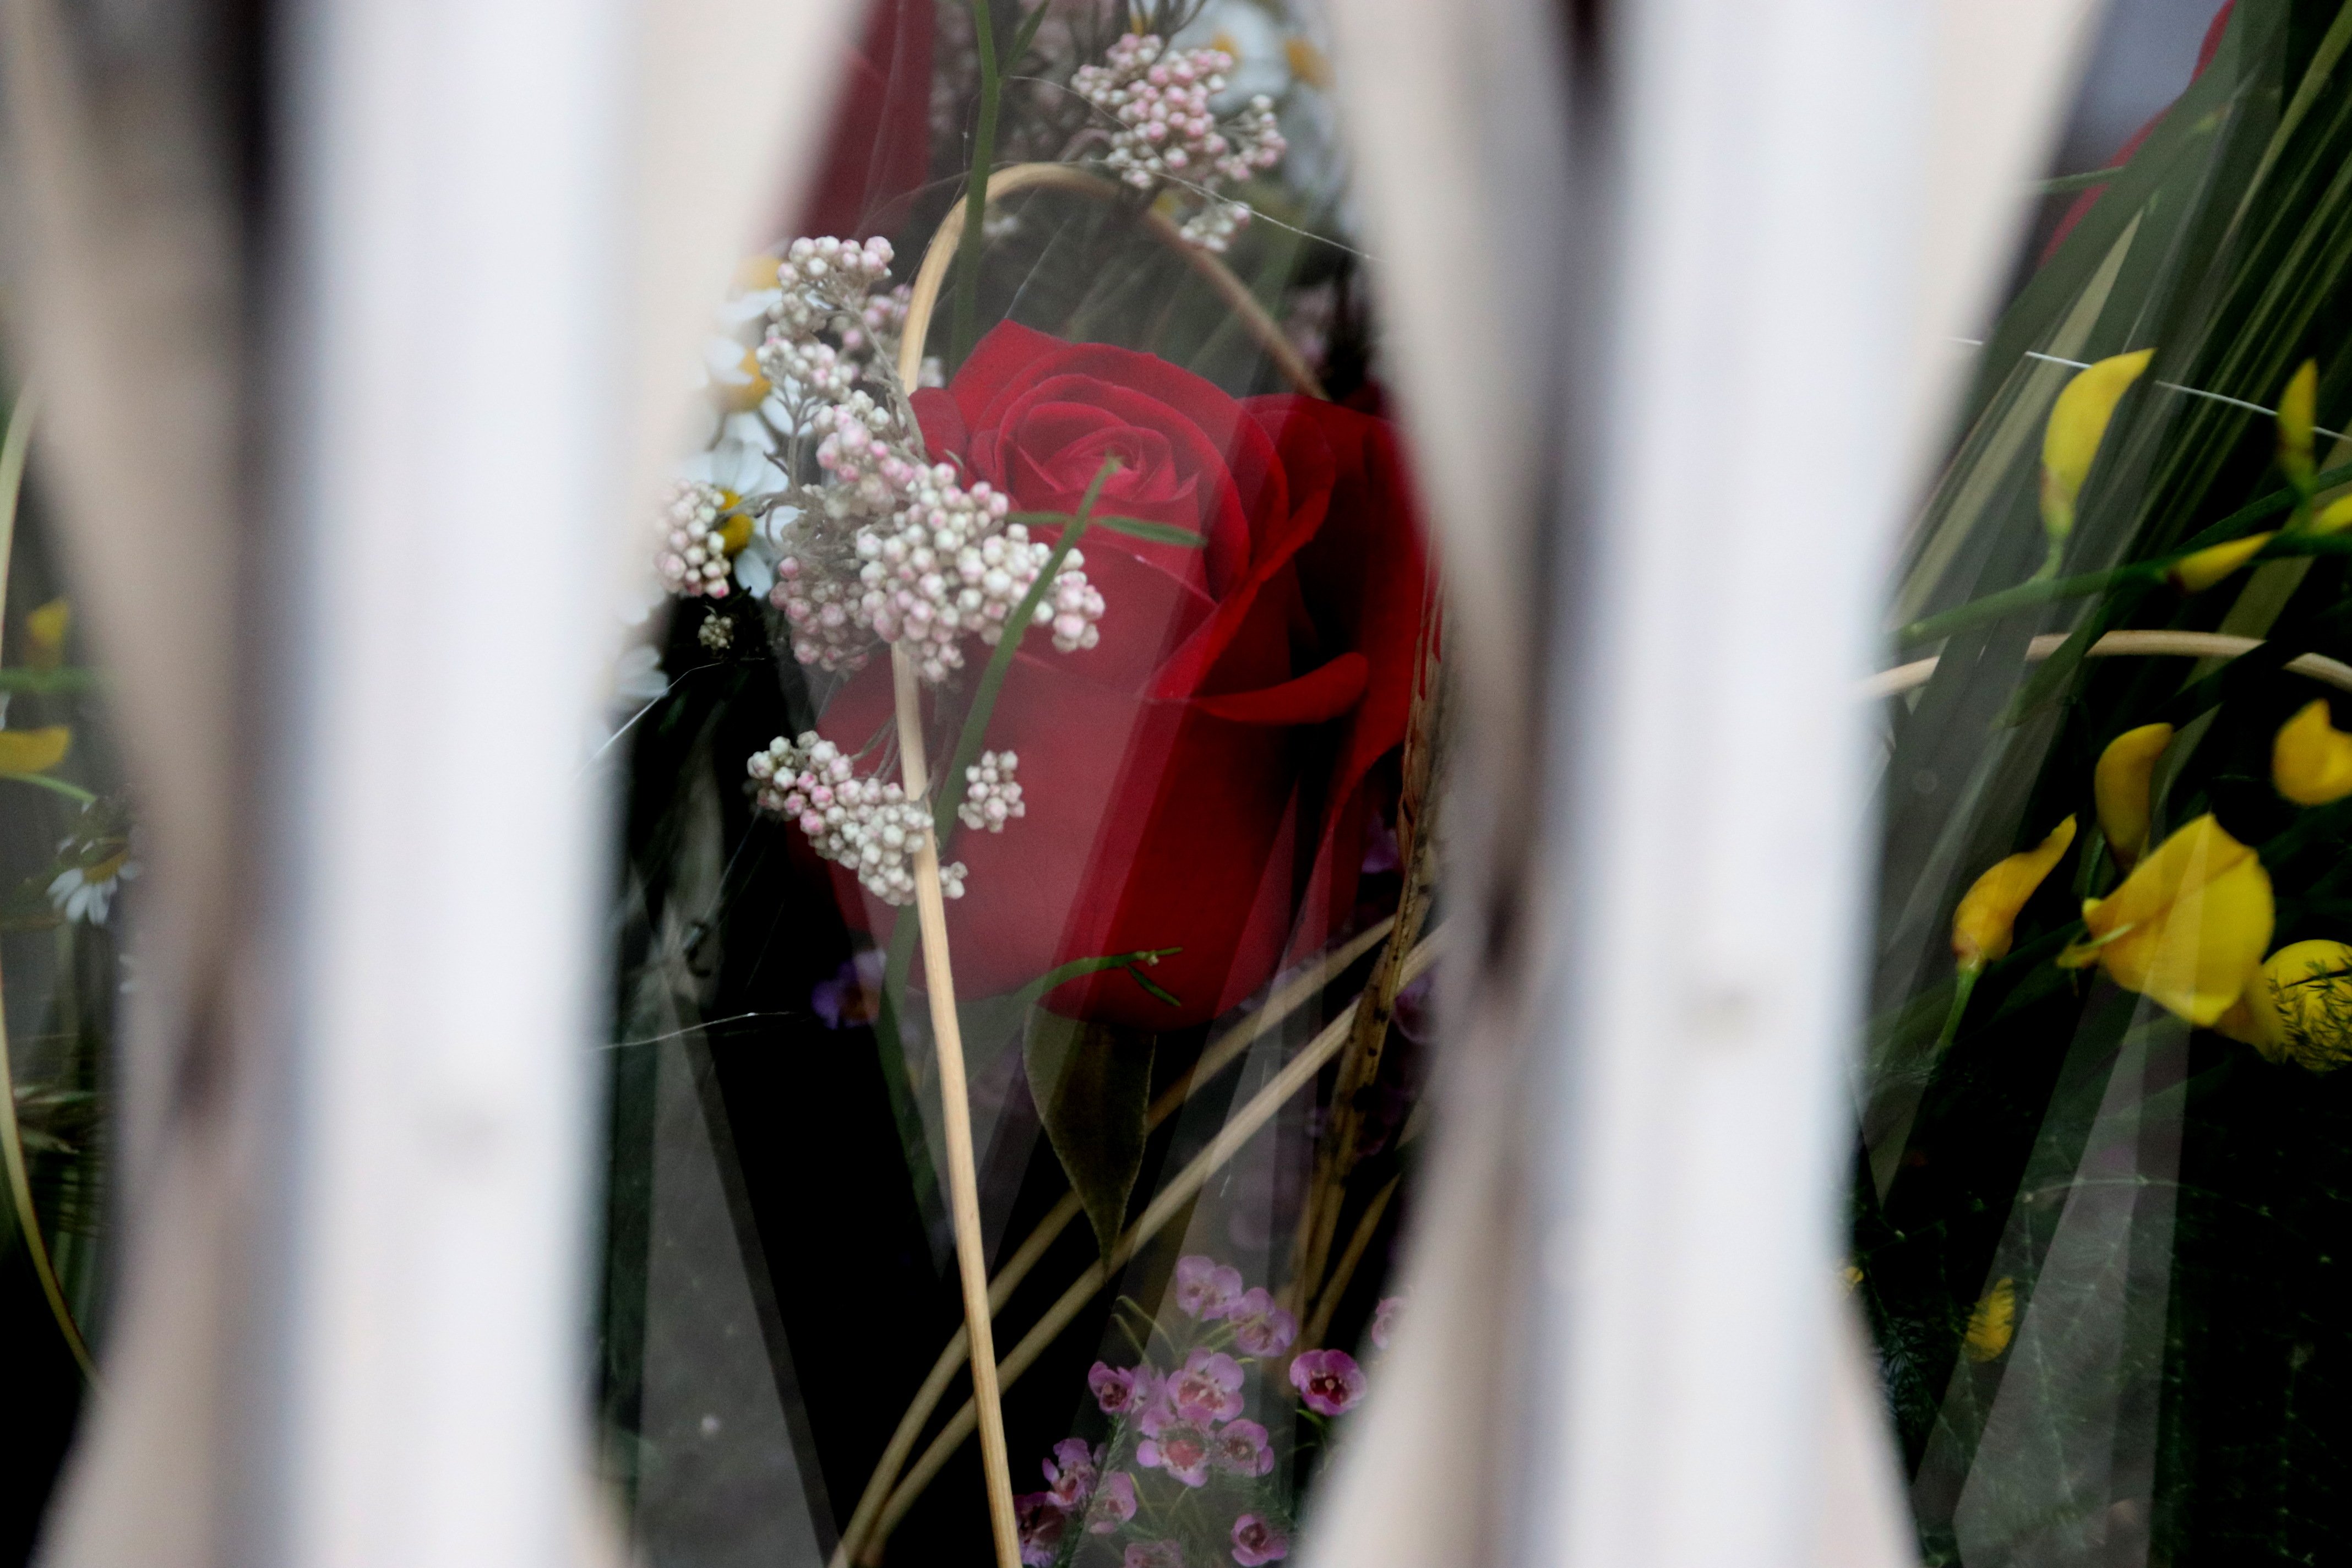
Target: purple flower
(1330,1380)
(1124,1390)
(1243,1448)
(1257,1542)
(1207,1389)
(1260,1327)
(1384,1319)
(1070,1473)
(1153,1554)
(1114,1503)
(1180,1448)
(1041,1524)
(1205,1289)
(853,997)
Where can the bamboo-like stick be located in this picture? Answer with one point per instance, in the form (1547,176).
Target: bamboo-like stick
(1235,294)
(1320,1322)
(2123,644)
(1219,1054)
(963,1178)
(930,903)
(1171,1201)
(1359,1064)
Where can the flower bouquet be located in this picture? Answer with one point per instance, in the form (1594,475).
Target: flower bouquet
(2103,1140)
(1030,798)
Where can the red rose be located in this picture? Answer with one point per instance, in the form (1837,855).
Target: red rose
(1196,781)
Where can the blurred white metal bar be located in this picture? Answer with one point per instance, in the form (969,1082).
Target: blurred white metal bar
(459,186)
(1803,200)
(517,213)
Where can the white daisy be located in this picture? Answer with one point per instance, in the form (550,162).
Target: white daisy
(86,893)
(1254,40)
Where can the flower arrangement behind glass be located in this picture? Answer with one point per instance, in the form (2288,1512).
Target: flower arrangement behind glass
(1104,653)
(2103,1135)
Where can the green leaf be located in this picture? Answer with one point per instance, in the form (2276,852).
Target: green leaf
(991,1018)
(1022,38)
(1092,1084)
(1133,527)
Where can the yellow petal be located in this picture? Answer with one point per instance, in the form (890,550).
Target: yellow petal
(2120,785)
(44,634)
(2333,517)
(1992,1322)
(2298,406)
(1982,927)
(2187,926)
(2077,423)
(2307,993)
(2253,1020)
(2195,573)
(1307,63)
(2311,759)
(749,396)
(34,750)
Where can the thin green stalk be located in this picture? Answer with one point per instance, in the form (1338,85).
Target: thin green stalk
(72,792)
(2049,590)
(964,330)
(1000,661)
(1964,985)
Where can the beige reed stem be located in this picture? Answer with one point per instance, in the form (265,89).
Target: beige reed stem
(1234,293)
(2124,645)
(930,903)
(1219,1054)
(1172,1201)
(14,450)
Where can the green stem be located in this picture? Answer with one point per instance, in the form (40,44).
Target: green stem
(2048,590)
(945,788)
(48,682)
(74,793)
(1963,986)
(965,328)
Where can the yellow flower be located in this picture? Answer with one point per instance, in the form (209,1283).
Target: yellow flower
(2195,573)
(736,531)
(44,634)
(34,750)
(2302,1011)
(742,396)
(2077,423)
(2298,406)
(2120,785)
(2186,927)
(1992,1322)
(1982,925)
(756,274)
(2311,759)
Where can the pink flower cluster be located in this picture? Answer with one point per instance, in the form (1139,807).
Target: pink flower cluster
(1075,1488)
(1161,99)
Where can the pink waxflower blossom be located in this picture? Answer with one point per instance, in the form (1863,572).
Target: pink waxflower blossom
(1153,1554)
(1244,1449)
(1207,1389)
(1261,1328)
(1257,1542)
(1041,1523)
(1070,1473)
(1124,1390)
(1384,1319)
(1330,1380)
(1180,1448)
(1114,1503)
(1206,1289)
